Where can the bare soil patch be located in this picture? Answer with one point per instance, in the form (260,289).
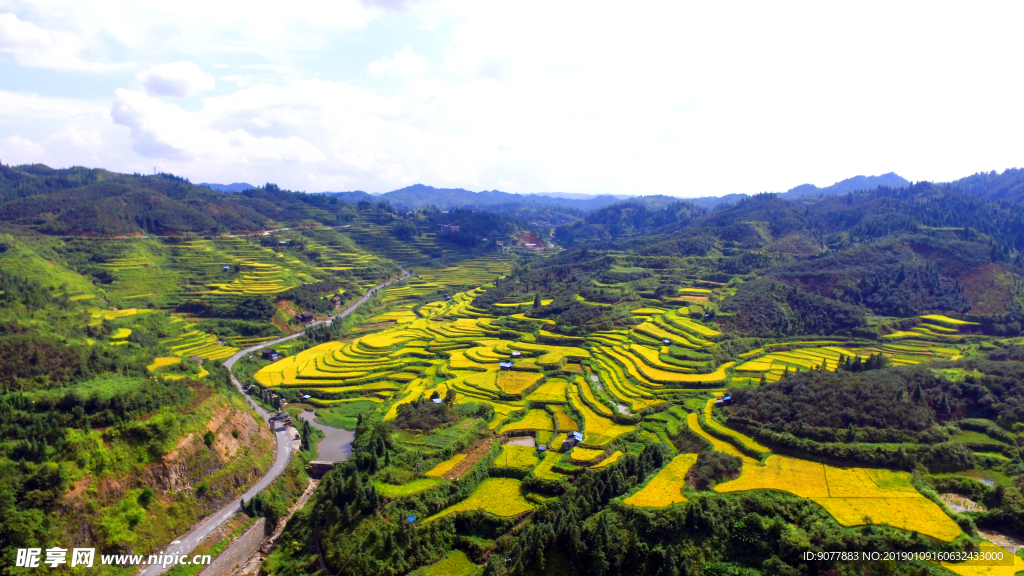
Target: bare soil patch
(478,451)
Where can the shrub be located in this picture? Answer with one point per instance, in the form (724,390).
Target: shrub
(712,466)
(423,415)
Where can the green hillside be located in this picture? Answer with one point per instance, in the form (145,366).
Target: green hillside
(520,406)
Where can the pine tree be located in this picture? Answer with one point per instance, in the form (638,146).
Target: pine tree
(918,393)
(764,380)
(944,404)
(536,301)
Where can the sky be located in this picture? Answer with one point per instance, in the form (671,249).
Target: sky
(680,98)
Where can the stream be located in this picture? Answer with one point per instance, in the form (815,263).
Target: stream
(336,445)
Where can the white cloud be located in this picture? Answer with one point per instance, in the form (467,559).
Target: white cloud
(17,150)
(38,48)
(175,79)
(595,96)
(165,131)
(405,64)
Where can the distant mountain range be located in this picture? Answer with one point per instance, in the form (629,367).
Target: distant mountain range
(422,196)
(82,201)
(236,187)
(855,184)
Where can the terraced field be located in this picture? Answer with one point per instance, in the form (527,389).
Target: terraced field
(813,355)
(421,350)
(666,488)
(853,496)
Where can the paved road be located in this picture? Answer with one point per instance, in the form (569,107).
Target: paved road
(187,543)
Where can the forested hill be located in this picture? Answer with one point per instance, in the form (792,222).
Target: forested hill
(81,201)
(421,196)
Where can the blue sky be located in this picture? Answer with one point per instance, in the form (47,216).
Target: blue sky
(680,98)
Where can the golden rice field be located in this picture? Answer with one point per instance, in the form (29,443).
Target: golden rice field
(609,460)
(162,362)
(598,430)
(581,454)
(544,469)
(741,438)
(853,496)
(498,496)
(446,466)
(513,456)
(455,563)
(551,391)
(693,421)
(514,382)
(565,422)
(535,419)
(773,365)
(666,488)
(408,489)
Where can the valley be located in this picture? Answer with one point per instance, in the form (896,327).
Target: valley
(660,388)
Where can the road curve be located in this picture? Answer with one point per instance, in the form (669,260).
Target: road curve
(187,543)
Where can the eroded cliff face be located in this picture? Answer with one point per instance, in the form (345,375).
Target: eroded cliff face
(187,483)
(184,468)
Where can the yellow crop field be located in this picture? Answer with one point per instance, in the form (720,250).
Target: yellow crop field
(589,395)
(666,488)
(407,489)
(661,334)
(641,371)
(681,320)
(513,456)
(609,460)
(947,320)
(498,496)
(581,454)
(534,420)
(801,477)
(413,392)
(121,334)
(551,391)
(647,311)
(446,466)
(693,421)
(598,430)
(544,469)
(743,438)
(1014,563)
(652,357)
(565,422)
(919,514)
(868,483)
(399,316)
(853,496)
(113,314)
(163,361)
(552,354)
(455,563)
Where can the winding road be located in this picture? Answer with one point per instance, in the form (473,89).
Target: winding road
(187,543)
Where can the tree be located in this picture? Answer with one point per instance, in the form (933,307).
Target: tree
(536,301)
(306,434)
(918,393)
